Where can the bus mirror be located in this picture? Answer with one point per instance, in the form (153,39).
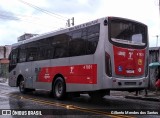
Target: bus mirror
(137,38)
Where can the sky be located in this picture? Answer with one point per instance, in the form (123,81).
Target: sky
(40,16)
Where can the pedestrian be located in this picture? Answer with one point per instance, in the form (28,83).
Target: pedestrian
(157,83)
(146,92)
(139,92)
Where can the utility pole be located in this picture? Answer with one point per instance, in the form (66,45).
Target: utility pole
(157,36)
(157,40)
(70,22)
(159,7)
(159,13)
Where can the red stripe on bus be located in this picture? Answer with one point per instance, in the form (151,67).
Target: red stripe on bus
(78,74)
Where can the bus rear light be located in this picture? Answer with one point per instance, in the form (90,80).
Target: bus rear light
(108,66)
(114,80)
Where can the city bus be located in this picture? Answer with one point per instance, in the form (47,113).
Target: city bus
(109,53)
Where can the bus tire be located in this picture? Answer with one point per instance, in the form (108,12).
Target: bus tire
(22,88)
(59,88)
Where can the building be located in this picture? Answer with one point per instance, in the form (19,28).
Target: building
(154,56)
(4,61)
(4,54)
(26,36)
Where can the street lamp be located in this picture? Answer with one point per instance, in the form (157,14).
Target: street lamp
(159,7)
(157,40)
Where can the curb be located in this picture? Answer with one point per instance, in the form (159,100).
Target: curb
(4,83)
(143,98)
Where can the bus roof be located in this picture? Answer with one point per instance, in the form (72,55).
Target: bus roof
(65,30)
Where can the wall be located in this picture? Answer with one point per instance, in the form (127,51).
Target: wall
(5,51)
(154,56)
(4,62)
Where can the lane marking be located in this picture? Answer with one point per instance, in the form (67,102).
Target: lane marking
(66,106)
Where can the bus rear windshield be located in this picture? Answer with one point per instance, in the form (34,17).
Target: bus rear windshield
(123,32)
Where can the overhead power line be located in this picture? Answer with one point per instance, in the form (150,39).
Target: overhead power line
(15,18)
(44,10)
(9,15)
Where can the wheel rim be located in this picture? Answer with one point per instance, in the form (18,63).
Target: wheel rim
(59,89)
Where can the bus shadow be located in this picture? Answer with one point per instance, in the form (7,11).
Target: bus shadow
(108,102)
(83,99)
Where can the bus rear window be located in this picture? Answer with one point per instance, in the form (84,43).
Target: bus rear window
(127,32)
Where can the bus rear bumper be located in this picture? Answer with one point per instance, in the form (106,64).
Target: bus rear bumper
(119,83)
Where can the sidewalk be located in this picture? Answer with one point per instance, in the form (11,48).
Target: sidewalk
(3,81)
(152,96)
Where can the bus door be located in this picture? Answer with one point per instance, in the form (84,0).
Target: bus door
(45,53)
(29,66)
(24,65)
(13,67)
(40,82)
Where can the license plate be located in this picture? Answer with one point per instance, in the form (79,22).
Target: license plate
(130,83)
(129,71)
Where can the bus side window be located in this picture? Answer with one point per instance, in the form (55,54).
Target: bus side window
(92,38)
(45,50)
(60,46)
(13,59)
(32,49)
(77,44)
(61,50)
(32,54)
(22,54)
(41,54)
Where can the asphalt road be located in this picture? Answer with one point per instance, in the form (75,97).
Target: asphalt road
(41,105)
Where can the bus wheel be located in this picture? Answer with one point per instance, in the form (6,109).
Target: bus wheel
(59,89)
(22,89)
